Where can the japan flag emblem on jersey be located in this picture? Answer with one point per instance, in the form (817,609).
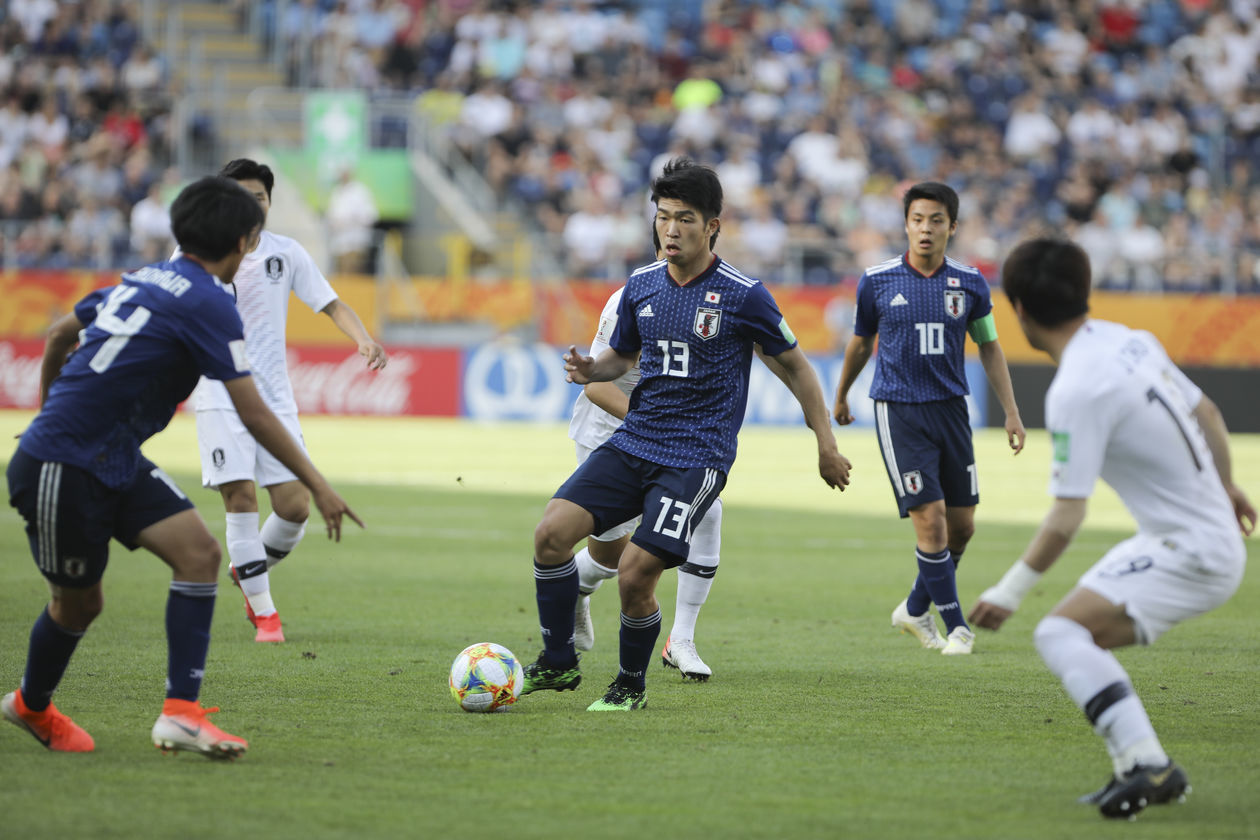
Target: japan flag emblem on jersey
(955,303)
(913,482)
(707,322)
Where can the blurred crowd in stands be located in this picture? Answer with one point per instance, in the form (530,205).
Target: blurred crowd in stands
(84,157)
(1132,125)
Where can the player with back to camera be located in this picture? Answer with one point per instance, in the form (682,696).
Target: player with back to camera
(923,305)
(78,477)
(691,321)
(597,413)
(1120,410)
(232,461)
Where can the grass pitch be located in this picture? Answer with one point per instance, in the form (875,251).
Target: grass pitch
(820,721)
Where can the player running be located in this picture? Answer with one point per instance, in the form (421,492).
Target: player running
(78,477)
(923,305)
(231,459)
(691,321)
(1120,410)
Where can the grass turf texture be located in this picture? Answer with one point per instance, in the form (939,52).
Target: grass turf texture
(820,720)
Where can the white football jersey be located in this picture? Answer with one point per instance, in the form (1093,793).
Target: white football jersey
(591,425)
(278,266)
(1119,409)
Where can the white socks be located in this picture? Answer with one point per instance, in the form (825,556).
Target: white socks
(1093,676)
(590,573)
(279,537)
(245,547)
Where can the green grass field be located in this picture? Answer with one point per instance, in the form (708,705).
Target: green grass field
(820,721)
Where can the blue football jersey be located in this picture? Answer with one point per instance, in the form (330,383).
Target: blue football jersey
(696,345)
(146,342)
(922,326)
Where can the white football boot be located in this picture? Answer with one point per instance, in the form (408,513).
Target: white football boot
(682,656)
(922,627)
(960,641)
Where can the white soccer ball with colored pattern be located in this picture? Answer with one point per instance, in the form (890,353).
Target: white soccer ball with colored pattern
(486,677)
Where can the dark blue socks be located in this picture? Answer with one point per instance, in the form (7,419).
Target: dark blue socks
(189,611)
(556,588)
(49,653)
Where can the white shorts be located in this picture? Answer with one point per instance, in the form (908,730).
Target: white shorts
(230,453)
(1161,582)
(619,531)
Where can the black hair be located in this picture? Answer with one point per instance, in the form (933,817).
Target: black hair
(1050,276)
(244,169)
(694,185)
(932,191)
(211,215)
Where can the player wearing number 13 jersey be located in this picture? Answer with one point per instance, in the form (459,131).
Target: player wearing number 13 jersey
(690,321)
(923,305)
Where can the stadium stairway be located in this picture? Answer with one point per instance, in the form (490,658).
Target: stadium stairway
(217,67)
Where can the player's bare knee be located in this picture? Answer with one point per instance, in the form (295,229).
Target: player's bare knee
(200,559)
(551,546)
(76,609)
(239,497)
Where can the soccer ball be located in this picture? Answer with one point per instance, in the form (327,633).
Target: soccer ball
(486,677)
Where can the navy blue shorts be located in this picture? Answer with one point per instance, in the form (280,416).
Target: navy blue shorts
(927,451)
(615,487)
(71,516)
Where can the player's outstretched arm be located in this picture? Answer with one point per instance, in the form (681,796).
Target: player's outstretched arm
(275,438)
(63,335)
(348,322)
(1217,434)
(856,354)
(998,602)
(608,366)
(999,375)
(803,382)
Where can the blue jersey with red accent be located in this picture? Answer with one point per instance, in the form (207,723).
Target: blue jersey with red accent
(146,342)
(922,326)
(696,345)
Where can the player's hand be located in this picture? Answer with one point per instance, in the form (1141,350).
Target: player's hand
(1243,509)
(1015,433)
(332,507)
(841,412)
(578,368)
(988,616)
(374,353)
(834,469)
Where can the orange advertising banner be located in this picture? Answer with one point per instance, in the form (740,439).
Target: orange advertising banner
(1196,330)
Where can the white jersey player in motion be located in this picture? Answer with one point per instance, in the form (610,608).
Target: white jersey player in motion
(1119,409)
(231,460)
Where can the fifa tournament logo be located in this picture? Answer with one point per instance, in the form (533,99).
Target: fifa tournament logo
(707,322)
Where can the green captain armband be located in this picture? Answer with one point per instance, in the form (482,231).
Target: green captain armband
(983,330)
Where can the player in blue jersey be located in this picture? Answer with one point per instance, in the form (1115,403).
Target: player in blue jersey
(691,320)
(78,477)
(923,305)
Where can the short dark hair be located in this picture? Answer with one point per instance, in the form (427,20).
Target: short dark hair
(694,185)
(932,191)
(209,217)
(244,169)
(1050,276)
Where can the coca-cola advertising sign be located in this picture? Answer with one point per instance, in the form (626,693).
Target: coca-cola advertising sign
(330,380)
(326,380)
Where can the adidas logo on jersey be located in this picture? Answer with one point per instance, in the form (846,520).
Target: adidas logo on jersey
(646,312)
(899,300)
